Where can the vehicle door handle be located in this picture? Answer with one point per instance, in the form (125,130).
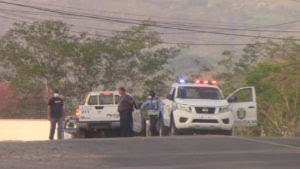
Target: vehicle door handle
(251,107)
(99,107)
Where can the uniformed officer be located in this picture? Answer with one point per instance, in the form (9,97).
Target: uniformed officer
(153,106)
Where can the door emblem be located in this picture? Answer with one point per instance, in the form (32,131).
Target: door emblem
(241,113)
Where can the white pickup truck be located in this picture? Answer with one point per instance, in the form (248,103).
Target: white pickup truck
(97,116)
(200,106)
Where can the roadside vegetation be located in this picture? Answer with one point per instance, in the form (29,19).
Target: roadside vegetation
(43,56)
(274,69)
(36,58)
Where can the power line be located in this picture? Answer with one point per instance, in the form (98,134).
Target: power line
(185,19)
(281,24)
(12,12)
(160,42)
(196,26)
(150,16)
(106,30)
(132,21)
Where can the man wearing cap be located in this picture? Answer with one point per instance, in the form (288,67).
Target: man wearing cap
(55,115)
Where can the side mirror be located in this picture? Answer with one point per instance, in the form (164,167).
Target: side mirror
(232,99)
(170,97)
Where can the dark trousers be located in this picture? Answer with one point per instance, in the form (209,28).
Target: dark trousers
(126,123)
(153,125)
(53,122)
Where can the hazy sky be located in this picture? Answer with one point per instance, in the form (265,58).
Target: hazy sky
(206,14)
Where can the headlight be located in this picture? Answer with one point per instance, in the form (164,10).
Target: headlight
(224,109)
(184,107)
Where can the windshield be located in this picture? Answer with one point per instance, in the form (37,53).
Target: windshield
(189,92)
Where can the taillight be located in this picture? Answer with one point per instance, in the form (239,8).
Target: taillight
(77,112)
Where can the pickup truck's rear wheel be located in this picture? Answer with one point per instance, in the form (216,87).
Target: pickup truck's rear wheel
(113,133)
(162,129)
(173,130)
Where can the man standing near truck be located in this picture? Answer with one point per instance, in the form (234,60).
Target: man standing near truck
(125,109)
(55,115)
(153,106)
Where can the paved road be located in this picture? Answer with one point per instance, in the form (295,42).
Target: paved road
(180,152)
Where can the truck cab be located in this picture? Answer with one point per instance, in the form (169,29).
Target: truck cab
(200,106)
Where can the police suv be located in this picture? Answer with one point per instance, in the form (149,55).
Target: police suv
(199,106)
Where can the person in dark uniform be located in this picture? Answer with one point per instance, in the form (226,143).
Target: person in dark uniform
(125,109)
(55,115)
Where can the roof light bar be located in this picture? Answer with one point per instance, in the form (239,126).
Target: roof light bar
(197,81)
(181,81)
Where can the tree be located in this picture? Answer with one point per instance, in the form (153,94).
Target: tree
(273,68)
(136,57)
(39,57)
(47,55)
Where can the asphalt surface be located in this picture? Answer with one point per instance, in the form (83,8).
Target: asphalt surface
(180,152)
